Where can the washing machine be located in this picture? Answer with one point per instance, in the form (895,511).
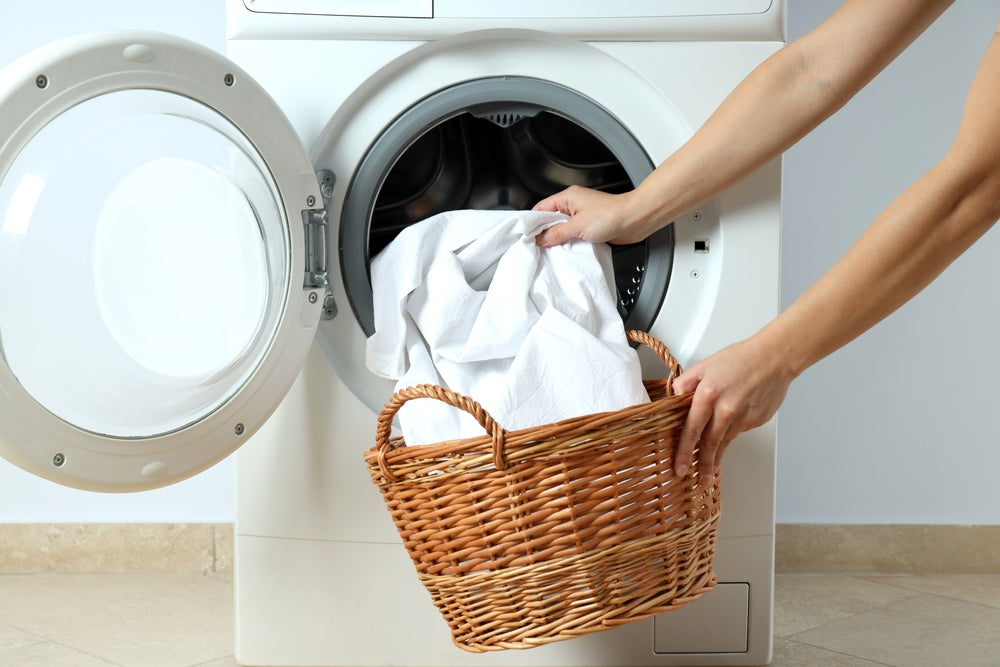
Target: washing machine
(188,279)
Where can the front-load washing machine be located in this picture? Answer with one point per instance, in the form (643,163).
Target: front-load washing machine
(161,286)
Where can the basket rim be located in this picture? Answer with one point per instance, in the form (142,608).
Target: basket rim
(578,433)
(385,443)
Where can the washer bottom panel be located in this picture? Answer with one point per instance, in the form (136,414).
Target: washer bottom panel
(305,602)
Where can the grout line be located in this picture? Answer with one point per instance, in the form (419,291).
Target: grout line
(835,652)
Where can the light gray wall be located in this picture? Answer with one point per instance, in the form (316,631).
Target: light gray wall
(900,426)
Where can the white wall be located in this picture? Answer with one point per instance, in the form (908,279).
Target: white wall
(898,427)
(23,497)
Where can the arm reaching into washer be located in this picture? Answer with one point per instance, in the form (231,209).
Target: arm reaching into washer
(777,104)
(905,248)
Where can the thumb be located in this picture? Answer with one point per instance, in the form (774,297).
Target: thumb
(686,382)
(557,234)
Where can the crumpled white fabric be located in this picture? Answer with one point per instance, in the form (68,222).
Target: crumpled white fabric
(468,301)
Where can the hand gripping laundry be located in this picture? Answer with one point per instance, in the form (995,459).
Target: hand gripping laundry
(467,300)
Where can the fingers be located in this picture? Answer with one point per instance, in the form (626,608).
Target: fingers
(738,388)
(695,424)
(594,216)
(557,234)
(549,204)
(710,456)
(697,420)
(710,436)
(706,430)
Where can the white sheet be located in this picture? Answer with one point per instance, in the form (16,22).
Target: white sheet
(467,300)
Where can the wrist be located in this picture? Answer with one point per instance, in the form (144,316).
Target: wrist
(786,347)
(645,211)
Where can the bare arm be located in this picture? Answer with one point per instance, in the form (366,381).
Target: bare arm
(904,249)
(806,81)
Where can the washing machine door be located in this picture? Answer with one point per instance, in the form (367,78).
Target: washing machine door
(157,295)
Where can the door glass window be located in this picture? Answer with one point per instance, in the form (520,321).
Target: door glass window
(143,253)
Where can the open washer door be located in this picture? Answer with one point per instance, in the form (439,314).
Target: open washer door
(161,279)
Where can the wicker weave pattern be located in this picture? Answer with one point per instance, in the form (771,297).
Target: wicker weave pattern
(528,537)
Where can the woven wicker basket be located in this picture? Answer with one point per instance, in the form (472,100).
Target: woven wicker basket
(528,537)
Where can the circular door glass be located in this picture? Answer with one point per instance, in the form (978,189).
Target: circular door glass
(136,270)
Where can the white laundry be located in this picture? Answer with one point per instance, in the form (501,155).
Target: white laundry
(468,301)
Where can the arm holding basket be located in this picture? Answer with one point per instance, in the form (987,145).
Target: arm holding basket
(904,249)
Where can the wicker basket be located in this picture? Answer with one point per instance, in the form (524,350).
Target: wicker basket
(528,537)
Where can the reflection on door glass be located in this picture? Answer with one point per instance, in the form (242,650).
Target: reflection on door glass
(143,249)
(22,204)
(143,246)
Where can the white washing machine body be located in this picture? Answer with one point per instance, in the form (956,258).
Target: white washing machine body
(321,577)
(206,251)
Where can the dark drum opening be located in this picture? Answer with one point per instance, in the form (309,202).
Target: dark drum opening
(498,144)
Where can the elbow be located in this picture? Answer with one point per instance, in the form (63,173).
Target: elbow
(975,194)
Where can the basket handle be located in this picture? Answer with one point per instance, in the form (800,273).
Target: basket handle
(657,346)
(384,427)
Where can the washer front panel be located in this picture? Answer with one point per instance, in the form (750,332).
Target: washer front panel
(152,312)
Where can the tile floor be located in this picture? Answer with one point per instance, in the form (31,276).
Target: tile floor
(177,620)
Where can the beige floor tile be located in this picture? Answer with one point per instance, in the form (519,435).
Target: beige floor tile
(12,638)
(49,654)
(805,602)
(979,588)
(187,620)
(922,631)
(149,620)
(792,654)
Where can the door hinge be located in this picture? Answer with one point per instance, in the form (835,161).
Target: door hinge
(317,264)
(317,249)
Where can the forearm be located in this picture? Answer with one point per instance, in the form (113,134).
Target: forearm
(908,246)
(742,385)
(779,102)
(743,134)
(911,242)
